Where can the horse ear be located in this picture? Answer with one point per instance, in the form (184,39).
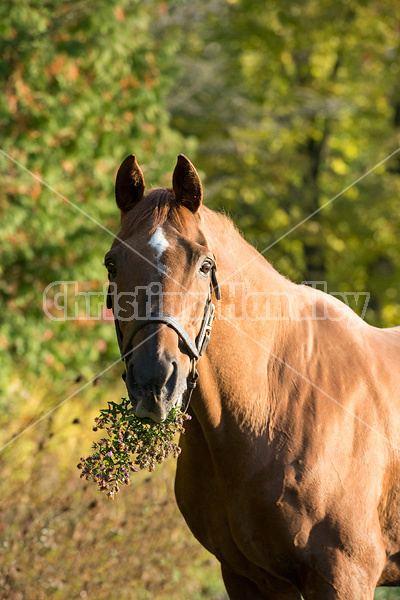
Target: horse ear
(186,184)
(129,184)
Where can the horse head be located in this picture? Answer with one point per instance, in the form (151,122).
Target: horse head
(162,271)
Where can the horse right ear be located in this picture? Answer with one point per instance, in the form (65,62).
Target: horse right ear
(129,184)
(187,185)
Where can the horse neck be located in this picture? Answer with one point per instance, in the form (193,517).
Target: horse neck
(250,326)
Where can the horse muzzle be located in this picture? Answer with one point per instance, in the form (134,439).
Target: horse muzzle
(155,385)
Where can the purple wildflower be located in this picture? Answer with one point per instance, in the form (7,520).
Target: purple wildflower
(110,463)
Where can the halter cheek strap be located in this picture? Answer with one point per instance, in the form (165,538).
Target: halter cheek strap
(195,349)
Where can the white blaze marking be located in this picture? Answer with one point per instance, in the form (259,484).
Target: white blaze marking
(159,242)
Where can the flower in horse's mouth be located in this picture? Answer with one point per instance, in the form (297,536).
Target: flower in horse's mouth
(152,443)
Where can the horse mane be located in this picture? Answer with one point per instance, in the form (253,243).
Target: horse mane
(161,206)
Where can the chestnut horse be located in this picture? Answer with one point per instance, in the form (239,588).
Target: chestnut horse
(289,472)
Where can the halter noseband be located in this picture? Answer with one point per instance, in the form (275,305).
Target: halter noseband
(195,349)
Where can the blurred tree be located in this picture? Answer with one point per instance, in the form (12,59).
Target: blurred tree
(291,103)
(82,85)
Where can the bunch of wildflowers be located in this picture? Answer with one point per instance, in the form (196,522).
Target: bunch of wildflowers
(131,443)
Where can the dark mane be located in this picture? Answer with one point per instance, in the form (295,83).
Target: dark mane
(160,205)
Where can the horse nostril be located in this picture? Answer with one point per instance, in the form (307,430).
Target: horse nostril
(157,379)
(171,379)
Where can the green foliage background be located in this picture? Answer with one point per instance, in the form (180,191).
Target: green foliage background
(280,105)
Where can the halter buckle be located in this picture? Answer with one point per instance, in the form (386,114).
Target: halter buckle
(205,332)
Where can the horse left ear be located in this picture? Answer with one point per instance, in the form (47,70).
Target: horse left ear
(187,185)
(129,184)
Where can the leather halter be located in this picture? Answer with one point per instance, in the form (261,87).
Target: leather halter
(195,349)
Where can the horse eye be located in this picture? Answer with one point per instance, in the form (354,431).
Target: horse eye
(205,267)
(111,268)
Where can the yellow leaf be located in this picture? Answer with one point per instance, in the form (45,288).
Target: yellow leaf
(339,166)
